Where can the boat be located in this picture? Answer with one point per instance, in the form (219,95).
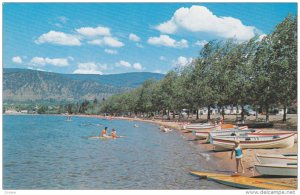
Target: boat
(204,133)
(277,158)
(229,132)
(287,169)
(238,181)
(248,142)
(274,133)
(195,125)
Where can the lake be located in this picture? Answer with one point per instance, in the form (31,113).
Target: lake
(48,152)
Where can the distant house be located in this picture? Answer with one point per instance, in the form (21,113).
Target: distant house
(24,111)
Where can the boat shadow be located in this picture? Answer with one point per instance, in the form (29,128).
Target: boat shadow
(273,176)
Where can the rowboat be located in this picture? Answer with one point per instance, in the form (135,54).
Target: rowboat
(229,132)
(277,169)
(272,134)
(246,142)
(238,181)
(276,158)
(195,125)
(223,130)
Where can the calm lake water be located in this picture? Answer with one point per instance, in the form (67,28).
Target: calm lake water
(47,152)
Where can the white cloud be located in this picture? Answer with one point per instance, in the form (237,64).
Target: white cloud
(17,60)
(137,66)
(165,40)
(157,71)
(201,43)
(90,32)
(40,61)
(110,51)
(260,38)
(182,61)
(58,38)
(90,68)
(162,58)
(134,37)
(200,19)
(39,69)
(108,41)
(139,45)
(123,63)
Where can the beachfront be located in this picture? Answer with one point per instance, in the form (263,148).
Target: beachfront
(224,163)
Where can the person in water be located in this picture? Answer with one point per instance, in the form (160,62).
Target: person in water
(238,156)
(104,132)
(114,134)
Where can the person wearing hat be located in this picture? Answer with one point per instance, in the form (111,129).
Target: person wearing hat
(238,155)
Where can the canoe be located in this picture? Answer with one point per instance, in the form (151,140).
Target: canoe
(238,181)
(276,158)
(251,142)
(277,169)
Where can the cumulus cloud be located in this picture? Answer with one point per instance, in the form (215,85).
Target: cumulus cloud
(134,37)
(162,58)
(165,40)
(123,63)
(139,45)
(108,41)
(182,61)
(111,51)
(40,61)
(201,43)
(17,60)
(90,31)
(200,19)
(58,38)
(90,68)
(137,66)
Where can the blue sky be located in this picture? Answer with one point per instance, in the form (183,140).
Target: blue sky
(107,38)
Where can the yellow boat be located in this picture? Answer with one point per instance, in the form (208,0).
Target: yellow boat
(244,182)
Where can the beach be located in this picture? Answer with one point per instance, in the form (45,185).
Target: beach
(222,161)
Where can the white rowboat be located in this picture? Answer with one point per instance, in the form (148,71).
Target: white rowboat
(277,169)
(262,142)
(276,158)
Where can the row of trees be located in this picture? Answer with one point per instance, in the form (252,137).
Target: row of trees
(258,72)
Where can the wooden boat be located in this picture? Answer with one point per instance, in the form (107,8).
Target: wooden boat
(204,133)
(229,132)
(262,142)
(238,181)
(195,125)
(277,169)
(274,133)
(276,158)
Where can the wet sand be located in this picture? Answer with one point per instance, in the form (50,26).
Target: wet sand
(223,163)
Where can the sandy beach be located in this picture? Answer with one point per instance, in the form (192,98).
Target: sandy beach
(222,161)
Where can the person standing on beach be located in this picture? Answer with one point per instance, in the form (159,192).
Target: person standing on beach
(104,132)
(238,156)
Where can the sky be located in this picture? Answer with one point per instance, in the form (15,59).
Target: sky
(111,38)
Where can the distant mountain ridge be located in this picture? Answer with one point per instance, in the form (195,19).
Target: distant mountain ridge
(32,85)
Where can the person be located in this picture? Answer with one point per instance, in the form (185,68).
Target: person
(238,156)
(113,134)
(104,132)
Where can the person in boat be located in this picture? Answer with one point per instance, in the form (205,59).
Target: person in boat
(113,134)
(104,132)
(238,156)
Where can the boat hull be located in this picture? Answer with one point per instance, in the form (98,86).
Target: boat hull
(286,141)
(276,159)
(277,169)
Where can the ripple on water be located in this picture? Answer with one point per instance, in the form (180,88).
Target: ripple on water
(45,152)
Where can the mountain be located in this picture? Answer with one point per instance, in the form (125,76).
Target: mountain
(31,85)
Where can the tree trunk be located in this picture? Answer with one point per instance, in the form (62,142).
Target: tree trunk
(243,113)
(208,112)
(173,114)
(223,113)
(267,113)
(197,114)
(256,113)
(284,114)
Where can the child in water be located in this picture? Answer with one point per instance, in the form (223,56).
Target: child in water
(238,156)
(113,134)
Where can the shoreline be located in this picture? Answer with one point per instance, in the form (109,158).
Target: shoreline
(222,161)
